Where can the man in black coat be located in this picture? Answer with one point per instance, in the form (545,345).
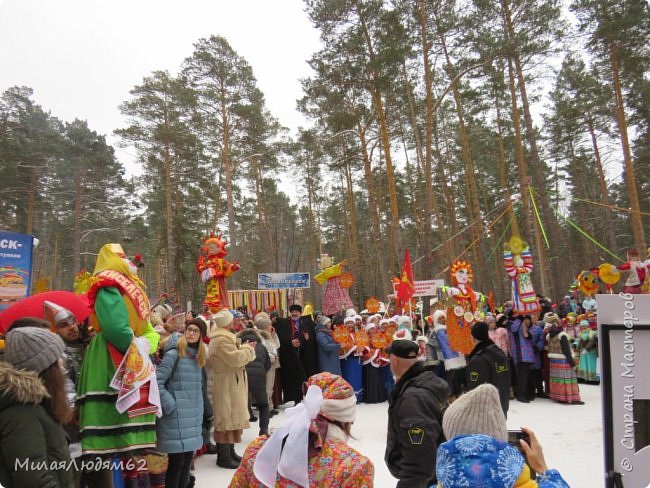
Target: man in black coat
(488,364)
(292,372)
(414,418)
(304,329)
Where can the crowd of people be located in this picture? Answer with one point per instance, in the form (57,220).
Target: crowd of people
(132,395)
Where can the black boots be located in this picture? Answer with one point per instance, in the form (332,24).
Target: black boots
(224,457)
(233,454)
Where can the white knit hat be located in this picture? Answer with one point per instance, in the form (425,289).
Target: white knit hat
(437,315)
(369,326)
(476,412)
(223,318)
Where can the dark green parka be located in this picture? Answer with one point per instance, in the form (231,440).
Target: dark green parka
(33,445)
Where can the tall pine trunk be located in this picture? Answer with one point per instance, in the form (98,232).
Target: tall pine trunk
(169,220)
(602,183)
(385,139)
(471,186)
(227,166)
(76,233)
(549,220)
(373,208)
(31,199)
(430,201)
(352,228)
(503,166)
(637,225)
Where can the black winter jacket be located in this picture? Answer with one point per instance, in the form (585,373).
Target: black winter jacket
(256,370)
(415,427)
(489,364)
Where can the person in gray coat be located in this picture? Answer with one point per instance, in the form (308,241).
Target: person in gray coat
(181,397)
(328,348)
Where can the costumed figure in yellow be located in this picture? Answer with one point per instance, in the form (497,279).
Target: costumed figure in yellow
(335,296)
(214,270)
(518,262)
(464,309)
(117,392)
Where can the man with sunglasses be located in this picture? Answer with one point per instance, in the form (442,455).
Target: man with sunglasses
(65,325)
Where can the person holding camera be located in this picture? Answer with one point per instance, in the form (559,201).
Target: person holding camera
(228,361)
(256,371)
(478,453)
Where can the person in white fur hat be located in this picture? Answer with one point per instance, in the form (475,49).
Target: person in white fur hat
(230,387)
(455,363)
(404,322)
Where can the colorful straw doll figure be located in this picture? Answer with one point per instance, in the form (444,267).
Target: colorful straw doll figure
(214,270)
(518,262)
(335,297)
(464,310)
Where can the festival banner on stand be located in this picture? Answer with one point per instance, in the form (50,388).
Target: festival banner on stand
(276,281)
(425,288)
(15,267)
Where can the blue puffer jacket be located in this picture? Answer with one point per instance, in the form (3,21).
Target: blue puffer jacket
(480,460)
(328,351)
(179,429)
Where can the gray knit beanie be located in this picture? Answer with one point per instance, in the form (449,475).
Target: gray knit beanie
(262,321)
(33,348)
(476,412)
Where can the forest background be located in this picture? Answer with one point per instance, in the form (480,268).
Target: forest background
(442,126)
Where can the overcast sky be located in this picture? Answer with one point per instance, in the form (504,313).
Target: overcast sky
(82,57)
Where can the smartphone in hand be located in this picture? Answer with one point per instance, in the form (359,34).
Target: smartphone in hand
(514,436)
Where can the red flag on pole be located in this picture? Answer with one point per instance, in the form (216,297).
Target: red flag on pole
(406,287)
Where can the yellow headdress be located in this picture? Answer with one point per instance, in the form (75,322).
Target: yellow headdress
(111,258)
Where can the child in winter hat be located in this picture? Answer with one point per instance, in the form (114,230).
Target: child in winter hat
(476,412)
(33,348)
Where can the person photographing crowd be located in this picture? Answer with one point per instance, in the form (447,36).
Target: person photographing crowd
(477,453)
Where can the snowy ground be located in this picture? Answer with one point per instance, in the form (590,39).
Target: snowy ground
(571,436)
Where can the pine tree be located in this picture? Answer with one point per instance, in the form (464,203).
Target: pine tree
(619,38)
(160,129)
